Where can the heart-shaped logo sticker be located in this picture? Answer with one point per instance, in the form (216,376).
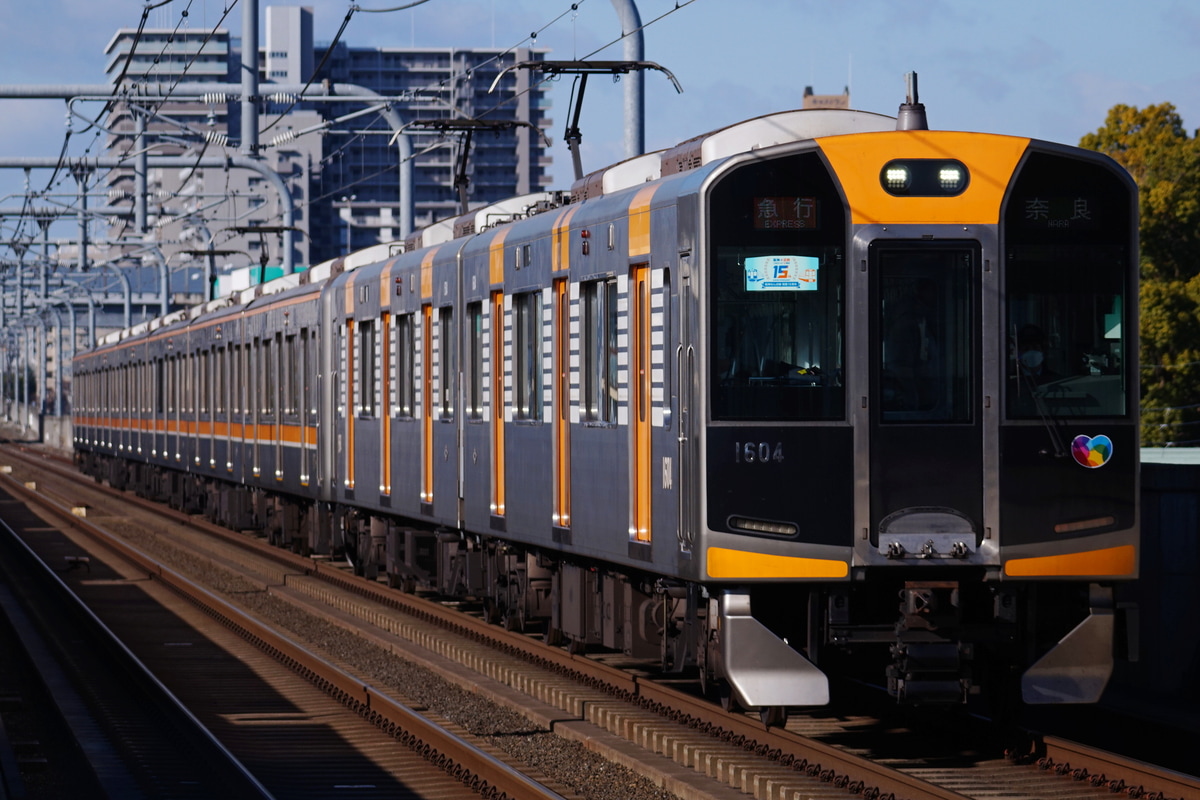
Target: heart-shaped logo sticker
(1091,451)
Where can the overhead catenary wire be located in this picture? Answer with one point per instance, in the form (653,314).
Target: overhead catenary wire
(453,77)
(316,71)
(154,110)
(199,50)
(166,43)
(404,7)
(624,35)
(94,124)
(432,87)
(571,9)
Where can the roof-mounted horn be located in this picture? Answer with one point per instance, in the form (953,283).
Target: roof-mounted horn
(912,113)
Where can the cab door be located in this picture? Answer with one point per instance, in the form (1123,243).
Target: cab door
(926,427)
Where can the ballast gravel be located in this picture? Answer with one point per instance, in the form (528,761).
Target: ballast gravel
(563,761)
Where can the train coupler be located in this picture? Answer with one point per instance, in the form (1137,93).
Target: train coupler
(929,673)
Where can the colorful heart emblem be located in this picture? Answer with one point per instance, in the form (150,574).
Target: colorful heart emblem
(1092,452)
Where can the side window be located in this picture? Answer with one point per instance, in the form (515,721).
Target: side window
(268,377)
(527,355)
(474,365)
(244,373)
(219,367)
(172,384)
(599,345)
(203,382)
(289,380)
(447,366)
(368,371)
(343,381)
(405,366)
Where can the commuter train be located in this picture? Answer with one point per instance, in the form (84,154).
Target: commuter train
(821,392)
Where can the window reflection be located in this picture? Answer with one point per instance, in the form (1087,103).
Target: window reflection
(779,350)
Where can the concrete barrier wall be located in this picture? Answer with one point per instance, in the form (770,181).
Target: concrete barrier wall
(57,432)
(1168,593)
(26,423)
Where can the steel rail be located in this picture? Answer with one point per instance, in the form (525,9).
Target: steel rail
(476,768)
(1085,763)
(859,774)
(813,757)
(232,775)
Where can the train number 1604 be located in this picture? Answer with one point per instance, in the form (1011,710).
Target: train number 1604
(757,452)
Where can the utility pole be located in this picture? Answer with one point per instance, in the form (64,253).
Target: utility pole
(635,84)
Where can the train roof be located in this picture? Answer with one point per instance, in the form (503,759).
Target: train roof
(742,137)
(752,134)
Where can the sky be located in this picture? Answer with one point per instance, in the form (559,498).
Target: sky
(1047,69)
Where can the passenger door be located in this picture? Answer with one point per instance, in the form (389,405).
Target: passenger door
(926,422)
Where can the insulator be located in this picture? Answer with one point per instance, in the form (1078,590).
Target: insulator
(283,138)
(284,97)
(216,137)
(213,98)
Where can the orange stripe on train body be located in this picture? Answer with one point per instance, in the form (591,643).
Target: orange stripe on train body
(639,221)
(858,162)
(496,257)
(1113,561)
(728,564)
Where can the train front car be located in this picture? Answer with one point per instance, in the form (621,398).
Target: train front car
(921,436)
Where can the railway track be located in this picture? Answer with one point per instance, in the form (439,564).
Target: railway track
(301,727)
(79,685)
(687,745)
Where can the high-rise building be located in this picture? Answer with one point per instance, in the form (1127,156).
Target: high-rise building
(171,124)
(339,165)
(356,180)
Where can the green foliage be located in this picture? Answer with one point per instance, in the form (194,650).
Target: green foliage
(1155,148)
(1170,353)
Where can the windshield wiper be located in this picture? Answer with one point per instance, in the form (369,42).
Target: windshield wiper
(1051,423)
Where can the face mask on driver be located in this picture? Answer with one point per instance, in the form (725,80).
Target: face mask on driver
(1031,359)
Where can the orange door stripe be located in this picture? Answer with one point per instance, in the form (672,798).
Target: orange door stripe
(639,363)
(497,358)
(351,416)
(385,404)
(427,401)
(562,428)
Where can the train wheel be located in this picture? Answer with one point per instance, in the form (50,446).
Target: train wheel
(514,620)
(725,695)
(773,716)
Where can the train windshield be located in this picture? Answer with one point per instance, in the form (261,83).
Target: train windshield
(1066,288)
(925,328)
(777,293)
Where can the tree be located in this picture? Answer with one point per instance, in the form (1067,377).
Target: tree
(1152,144)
